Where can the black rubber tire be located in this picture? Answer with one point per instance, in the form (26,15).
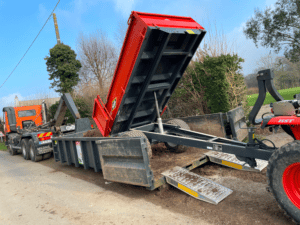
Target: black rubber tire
(11,151)
(173,147)
(25,149)
(180,123)
(137,133)
(33,152)
(47,155)
(278,162)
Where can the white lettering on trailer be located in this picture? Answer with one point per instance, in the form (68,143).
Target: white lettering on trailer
(79,152)
(286,121)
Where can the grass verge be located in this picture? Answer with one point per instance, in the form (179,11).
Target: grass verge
(2,147)
(287,94)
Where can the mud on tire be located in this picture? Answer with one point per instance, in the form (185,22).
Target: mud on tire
(173,147)
(137,133)
(284,178)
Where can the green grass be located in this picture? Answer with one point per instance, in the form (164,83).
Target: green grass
(287,94)
(2,147)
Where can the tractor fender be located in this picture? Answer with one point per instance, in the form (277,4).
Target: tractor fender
(283,120)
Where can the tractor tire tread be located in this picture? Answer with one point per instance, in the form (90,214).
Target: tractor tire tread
(281,159)
(182,125)
(137,133)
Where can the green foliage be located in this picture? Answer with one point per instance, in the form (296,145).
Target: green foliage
(212,74)
(287,94)
(82,106)
(63,68)
(2,147)
(277,28)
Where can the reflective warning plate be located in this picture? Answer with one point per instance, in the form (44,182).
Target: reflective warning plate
(230,160)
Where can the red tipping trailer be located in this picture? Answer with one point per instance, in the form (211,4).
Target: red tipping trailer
(155,53)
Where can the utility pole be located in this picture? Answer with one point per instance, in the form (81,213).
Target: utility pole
(56,29)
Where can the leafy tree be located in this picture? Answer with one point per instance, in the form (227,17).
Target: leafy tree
(63,68)
(277,28)
(213,85)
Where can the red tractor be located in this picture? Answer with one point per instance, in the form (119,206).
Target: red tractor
(285,161)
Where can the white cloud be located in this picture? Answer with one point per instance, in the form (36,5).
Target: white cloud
(246,49)
(42,13)
(124,6)
(9,100)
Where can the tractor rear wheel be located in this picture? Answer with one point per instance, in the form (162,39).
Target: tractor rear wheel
(284,178)
(137,133)
(174,147)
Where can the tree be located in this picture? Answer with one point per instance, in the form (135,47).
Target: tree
(63,68)
(277,28)
(98,57)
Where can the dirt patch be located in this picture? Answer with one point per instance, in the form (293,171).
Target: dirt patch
(93,133)
(163,159)
(212,170)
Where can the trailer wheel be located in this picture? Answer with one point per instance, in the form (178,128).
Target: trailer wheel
(47,155)
(137,133)
(11,150)
(284,178)
(25,149)
(173,147)
(33,152)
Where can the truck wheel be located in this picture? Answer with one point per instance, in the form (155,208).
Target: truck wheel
(47,155)
(11,150)
(137,133)
(284,178)
(33,152)
(25,149)
(173,147)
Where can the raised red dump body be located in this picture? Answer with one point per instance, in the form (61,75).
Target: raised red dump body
(154,56)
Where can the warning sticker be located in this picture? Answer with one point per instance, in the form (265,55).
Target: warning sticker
(114,104)
(79,152)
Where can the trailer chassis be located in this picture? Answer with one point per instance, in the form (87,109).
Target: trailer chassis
(246,152)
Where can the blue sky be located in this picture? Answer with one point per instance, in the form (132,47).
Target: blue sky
(22,20)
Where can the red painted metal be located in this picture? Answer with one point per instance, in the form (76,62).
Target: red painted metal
(291,183)
(292,121)
(163,110)
(101,116)
(285,120)
(139,22)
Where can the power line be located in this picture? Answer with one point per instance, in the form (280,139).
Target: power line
(31,44)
